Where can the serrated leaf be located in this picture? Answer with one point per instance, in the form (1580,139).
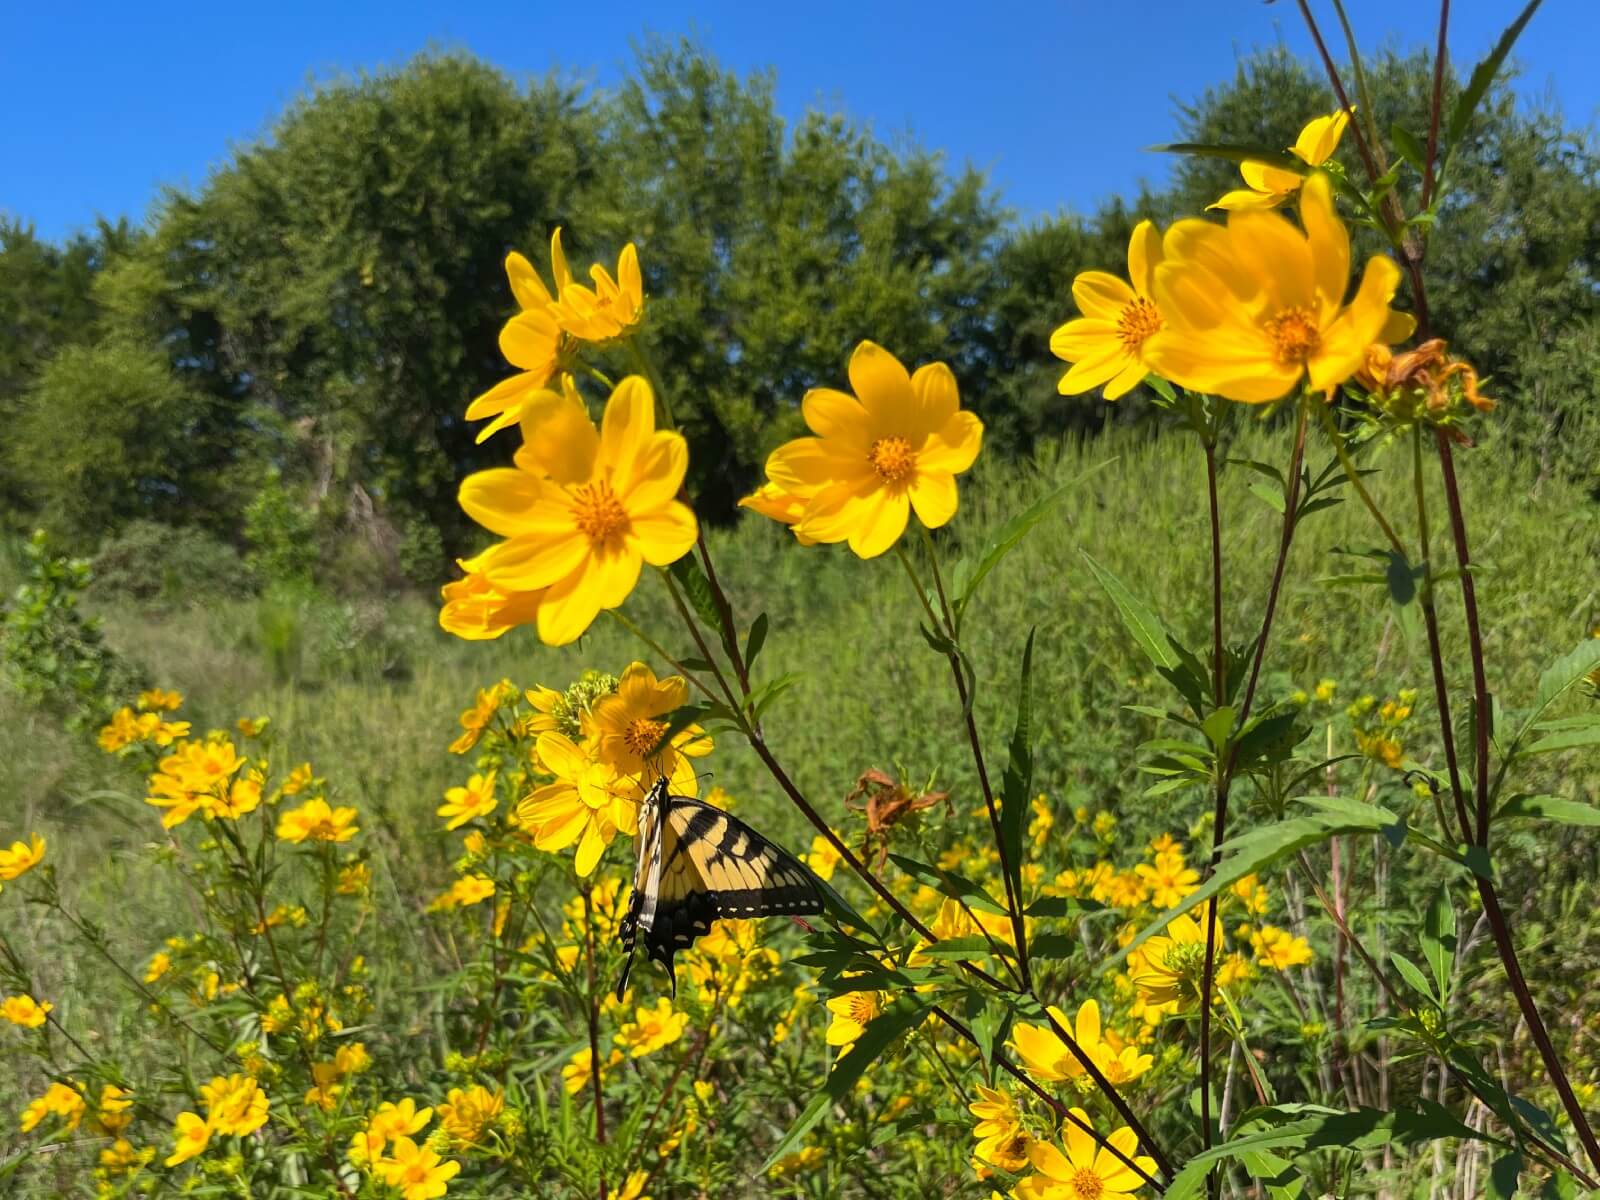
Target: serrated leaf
(1483,75)
(689,576)
(1137,617)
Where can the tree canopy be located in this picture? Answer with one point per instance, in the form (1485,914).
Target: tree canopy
(317,315)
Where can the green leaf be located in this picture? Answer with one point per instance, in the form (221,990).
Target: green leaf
(841,907)
(756,639)
(948,883)
(1407,145)
(1219,726)
(1439,942)
(1550,808)
(1483,75)
(1504,1174)
(686,572)
(762,697)
(1257,849)
(1137,617)
(1017,784)
(1412,974)
(1271,495)
(1567,739)
(1566,672)
(1008,535)
(904,1015)
(1236,152)
(1359,1129)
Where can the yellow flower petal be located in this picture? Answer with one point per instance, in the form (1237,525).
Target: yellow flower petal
(882,520)
(933,495)
(834,414)
(664,535)
(955,447)
(1082,338)
(1101,295)
(1144,255)
(558,437)
(499,499)
(1320,138)
(568,608)
(937,397)
(627,428)
(526,564)
(881,384)
(526,285)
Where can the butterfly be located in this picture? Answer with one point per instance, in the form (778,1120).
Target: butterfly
(697,863)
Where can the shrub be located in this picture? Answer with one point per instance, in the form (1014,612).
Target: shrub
(149,561)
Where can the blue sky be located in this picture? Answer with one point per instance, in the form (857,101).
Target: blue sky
(107,102)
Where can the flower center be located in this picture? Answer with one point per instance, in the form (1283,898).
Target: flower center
(863,1007)
(1294,336)
(1136,322)
(892,458)
(1086,1185)
(643,735)
(598,513)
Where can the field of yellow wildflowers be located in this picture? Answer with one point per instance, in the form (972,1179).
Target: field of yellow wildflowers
(1186,810)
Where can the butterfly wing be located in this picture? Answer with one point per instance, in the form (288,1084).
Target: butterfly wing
(706,864)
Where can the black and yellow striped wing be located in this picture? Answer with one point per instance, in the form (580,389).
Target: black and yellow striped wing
(696,864)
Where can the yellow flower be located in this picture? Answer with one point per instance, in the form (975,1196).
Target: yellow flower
(299,780)
(1049,1058)
(1086,1171)
(354,879)
(1251,894)
(578,1073)
(59,1100)
(588,803)
(477,610)
(897,447)
(1170,967)
(416,1172)
(468,890)
(1106,344)
(251,727)
(325,1090)
(235,1105)
(804,1159)
(114,1113)
(786,507)
(1251,308)
(160,964)
(120,1157)
(466,1114)
(190,1136)
(394,1121)
(633,1186)
(20,859)
(1325,690)
(1267,186)
(651,1029)
(156,699)
(463,804)
(583,508)
(1168,879)
(24,1010)
(1280,949)
(122,730)
(824,859)
(1002,1142)
(530,340)
(627,725)
(316,821)
(608,310)
(476,719)
(852,1013)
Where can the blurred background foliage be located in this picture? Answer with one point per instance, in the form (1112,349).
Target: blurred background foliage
(277,363)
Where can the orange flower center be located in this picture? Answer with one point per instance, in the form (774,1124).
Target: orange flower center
(1086,1185)
(598,513)
(1137,322)
(863,1007)
(892,458)
(1294,335)
(643,735)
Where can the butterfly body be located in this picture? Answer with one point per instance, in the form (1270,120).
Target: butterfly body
(697,864)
